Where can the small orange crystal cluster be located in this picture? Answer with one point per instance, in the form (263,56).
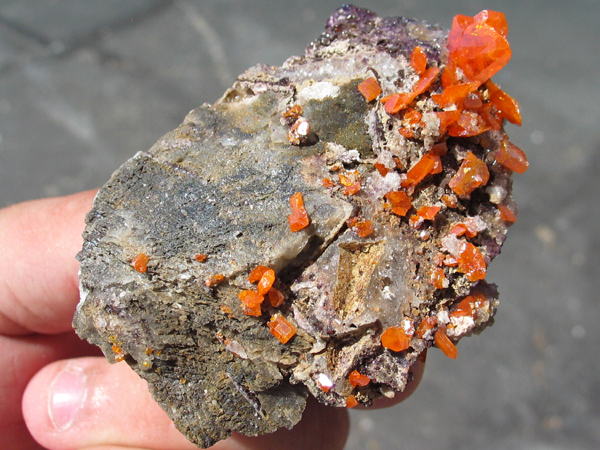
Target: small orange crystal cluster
(467,104)
(253,301)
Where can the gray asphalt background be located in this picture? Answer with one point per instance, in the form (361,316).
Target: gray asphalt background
(86,84)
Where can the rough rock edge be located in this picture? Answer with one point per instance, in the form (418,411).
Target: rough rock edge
(254,388)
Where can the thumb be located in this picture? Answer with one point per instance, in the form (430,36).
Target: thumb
(86,402)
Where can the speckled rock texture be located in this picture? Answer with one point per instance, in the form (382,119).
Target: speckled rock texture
(219,185)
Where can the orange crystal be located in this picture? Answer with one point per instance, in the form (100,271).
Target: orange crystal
(351,401)
(454,94)
(397,102)
(214,280)
(490,116)
(251,301)
(472,174)
(507,214)
(478,45)
(464,307)
(201,257)
(326,182)
(383,171)
(118,351)
(473,101)
(399,201)
(299,217)
(412,116)
(356,379)
(428,212)
(370,89)
(468,228)
(439,149)
(459,229)
(266,281)
(140,262)
(352,189)
(424,213)
(362,227)
(494,19)
(281,328)
(427,324)
(447,118)
(428,164)
(470,123)
(275,297)
(471,262)
(425,81)
(418,60)
(512,157)
(443,342)
(407,133)
(438,278)
(257,273)
(507,107)
(450,201)
(395,339)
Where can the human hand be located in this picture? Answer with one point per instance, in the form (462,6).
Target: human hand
(56,390)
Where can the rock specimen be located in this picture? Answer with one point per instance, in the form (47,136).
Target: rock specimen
(312,232)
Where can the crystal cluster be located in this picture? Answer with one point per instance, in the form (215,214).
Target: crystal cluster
(314,231)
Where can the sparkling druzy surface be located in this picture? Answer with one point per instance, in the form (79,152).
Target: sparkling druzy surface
(313,231)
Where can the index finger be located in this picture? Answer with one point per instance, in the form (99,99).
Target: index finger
(38,243)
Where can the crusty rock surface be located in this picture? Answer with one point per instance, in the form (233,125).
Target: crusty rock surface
(220,185)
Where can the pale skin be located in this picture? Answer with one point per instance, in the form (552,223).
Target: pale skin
(38,295)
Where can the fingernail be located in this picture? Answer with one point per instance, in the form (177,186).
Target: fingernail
(67,395)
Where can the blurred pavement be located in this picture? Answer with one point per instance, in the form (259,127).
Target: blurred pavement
(84,85)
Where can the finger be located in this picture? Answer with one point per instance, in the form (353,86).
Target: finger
(38,243)
(20,359)
(94,404)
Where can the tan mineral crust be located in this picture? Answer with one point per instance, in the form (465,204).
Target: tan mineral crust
(401,162)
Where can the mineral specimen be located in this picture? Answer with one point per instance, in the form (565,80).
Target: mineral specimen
(312,232)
